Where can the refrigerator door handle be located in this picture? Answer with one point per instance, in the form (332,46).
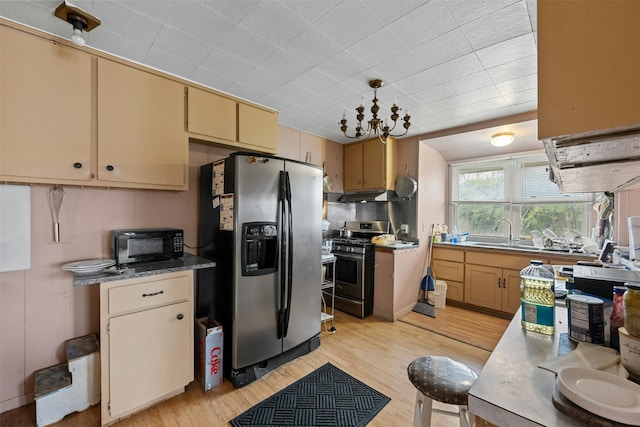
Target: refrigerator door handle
(287,313)
(282,197)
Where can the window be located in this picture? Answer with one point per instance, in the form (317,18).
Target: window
(483,192)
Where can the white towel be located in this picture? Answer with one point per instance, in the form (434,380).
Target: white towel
(588,356)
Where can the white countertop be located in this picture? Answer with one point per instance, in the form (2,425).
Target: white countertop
(511,390)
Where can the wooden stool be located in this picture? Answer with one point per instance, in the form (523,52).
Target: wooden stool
(443,380)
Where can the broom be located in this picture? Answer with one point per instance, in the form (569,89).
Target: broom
(427,284)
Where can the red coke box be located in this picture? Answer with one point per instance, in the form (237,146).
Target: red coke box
(208,362)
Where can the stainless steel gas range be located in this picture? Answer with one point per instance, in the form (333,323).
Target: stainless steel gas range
(355,257)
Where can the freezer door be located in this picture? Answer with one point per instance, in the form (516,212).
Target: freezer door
(256,298)
(306,207)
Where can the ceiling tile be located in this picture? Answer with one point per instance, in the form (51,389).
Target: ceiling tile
(273,22)
(518,85)
(165,61)
(465,11)
(507,51)
(181,45)
(512,21)
(247,45)
(310,10)
(221,62)
(197,20)
(457,68)
(348,23)
(469,83)
(377,47)
(235,10)
(514,69)
(424,23)
(323,48)
(444,48)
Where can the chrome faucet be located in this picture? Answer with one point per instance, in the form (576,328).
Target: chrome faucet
(510,226)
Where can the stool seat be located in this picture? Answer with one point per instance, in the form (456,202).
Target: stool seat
(443,380)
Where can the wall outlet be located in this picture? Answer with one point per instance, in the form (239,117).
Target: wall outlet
(404,228)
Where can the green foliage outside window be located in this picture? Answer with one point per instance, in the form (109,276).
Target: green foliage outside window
(558,217)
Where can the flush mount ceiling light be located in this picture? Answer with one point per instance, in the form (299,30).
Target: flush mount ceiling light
(376,126)
(79,19)
(501,139)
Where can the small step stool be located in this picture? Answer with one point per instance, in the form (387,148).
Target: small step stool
(69,387)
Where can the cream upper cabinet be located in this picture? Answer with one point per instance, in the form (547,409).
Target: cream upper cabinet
(141,137)
(334,165)
(588,66)
(369,165)
(353,166)
(257,128)
(68,117)
(220,119)
(211,115)
(45,110)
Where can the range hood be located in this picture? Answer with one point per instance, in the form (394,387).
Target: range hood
(368,196)
(595,163)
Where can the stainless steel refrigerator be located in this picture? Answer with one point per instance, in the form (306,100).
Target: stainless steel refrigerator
(261,221)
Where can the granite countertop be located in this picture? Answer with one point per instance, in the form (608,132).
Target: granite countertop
(516,247)
(187,262)
(399,244)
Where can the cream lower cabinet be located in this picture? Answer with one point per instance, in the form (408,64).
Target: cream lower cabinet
(491,287)
(147,341)
(448,265)
(492,280)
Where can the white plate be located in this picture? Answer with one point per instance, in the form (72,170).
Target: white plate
(602,393)
(88,266)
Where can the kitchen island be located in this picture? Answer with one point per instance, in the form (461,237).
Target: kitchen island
(511,390)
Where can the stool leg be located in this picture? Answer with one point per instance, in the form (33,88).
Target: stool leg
(467,419)
(422,416)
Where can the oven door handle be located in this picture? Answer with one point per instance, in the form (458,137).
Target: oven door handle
(352,257)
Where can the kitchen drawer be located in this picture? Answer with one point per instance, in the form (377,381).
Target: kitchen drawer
(501,260)
(447,254)
(455,291)
(149,293)
(447,270)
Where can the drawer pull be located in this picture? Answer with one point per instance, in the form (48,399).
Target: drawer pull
(180,316)
(153,294)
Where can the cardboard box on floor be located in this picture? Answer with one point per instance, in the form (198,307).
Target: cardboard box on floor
(208,366)
(438,297)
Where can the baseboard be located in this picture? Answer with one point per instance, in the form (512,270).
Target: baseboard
(16,402)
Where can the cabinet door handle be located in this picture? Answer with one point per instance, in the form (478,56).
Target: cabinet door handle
(153,294)
(499,282)
(77,165)
(110,167)
(180,316)
(504,282)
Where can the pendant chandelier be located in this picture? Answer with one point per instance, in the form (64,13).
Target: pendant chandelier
(375,125)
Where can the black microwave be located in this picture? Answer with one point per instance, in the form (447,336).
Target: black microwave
(146,244)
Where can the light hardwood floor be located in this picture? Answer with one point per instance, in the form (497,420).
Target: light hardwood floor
(374,351)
